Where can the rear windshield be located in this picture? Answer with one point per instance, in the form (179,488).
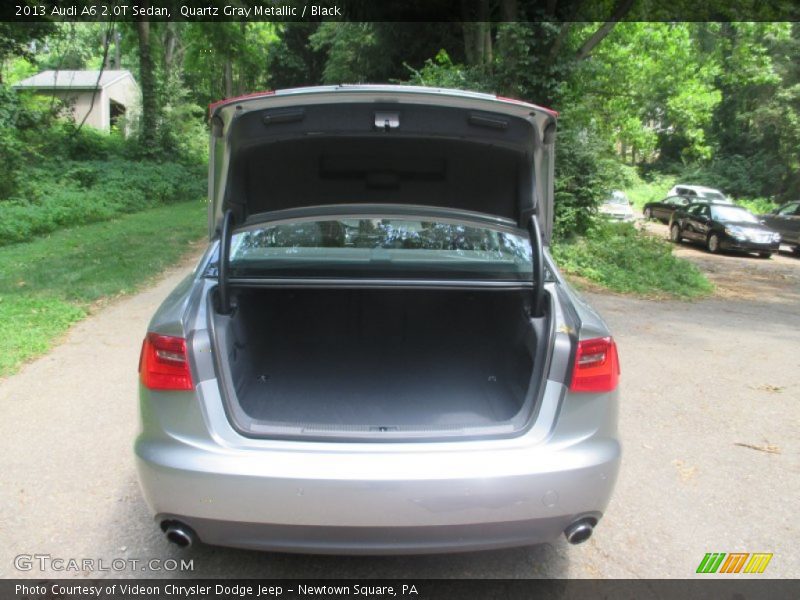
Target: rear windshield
(381,247)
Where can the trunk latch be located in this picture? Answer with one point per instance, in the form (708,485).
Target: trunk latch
(387,120)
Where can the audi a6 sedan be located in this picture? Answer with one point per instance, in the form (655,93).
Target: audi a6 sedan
(376,354)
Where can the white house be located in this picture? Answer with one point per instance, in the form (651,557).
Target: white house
(115,93)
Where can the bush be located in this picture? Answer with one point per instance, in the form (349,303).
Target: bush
(442,72)
(74,193)
(11,156)
(758,206)
(585,173)
(624,259)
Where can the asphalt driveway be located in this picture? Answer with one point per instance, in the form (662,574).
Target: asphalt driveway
(709,422)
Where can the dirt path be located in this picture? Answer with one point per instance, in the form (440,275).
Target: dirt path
(743,276)
(709,421)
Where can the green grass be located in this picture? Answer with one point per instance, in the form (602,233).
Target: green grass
(48,284)
(623,259)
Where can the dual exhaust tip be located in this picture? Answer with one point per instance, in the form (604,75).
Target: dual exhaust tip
(580,531)
(179,533)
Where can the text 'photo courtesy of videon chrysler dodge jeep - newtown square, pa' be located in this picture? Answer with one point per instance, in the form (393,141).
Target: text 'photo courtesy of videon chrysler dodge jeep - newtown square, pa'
(376,353)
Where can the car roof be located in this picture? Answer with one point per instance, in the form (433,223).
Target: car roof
(714,203)
(697,188)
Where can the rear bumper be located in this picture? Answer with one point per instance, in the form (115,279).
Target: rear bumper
(374,540)
(356,516)
(375,498)
(362,498)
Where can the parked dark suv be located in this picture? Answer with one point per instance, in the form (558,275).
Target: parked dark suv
(786,221)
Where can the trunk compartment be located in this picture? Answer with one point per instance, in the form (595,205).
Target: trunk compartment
(378,363)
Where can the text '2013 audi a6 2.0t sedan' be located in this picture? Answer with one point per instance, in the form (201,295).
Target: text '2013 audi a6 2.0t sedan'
(376,354)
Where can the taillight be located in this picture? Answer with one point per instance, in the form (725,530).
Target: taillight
(596,366)
(163,364)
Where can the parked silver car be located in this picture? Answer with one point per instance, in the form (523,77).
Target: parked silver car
(376,353)
(617,207)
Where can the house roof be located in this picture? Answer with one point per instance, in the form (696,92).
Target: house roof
(76,80)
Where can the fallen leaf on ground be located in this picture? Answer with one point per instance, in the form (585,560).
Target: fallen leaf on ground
(768,387)
(770,448)
(685,472)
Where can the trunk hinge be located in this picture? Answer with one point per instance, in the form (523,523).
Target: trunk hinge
(537,307)
(224,260)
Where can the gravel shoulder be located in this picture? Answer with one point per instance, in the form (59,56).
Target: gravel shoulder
(709,420)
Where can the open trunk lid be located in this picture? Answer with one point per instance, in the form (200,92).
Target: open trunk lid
(381,144)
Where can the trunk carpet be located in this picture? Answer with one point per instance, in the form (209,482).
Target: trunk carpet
(408,385)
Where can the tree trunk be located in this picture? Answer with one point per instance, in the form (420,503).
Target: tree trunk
(487,44)
(228,77)
(147,80)
(240,84)
(477,32)
(170,49)
(471,52)
(106,42)
(478,43)
(117,51)
(485,32)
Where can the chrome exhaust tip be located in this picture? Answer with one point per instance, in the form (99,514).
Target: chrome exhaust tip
(179,534)
(579,531)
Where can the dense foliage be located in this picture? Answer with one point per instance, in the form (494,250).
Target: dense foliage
(78,192)
(58,176)
(621,258)
(708,103)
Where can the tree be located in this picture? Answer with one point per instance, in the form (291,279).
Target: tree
(19,40)
(756,126)
(147,82)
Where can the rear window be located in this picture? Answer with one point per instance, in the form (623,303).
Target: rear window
(381,247)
